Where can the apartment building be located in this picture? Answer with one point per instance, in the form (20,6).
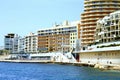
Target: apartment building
(107,42)
(30,43)
(11,42)
(108,28)
(93,11)
(73,37)
(21,45)
(57,38)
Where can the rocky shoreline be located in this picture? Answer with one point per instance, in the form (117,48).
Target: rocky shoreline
(107,67)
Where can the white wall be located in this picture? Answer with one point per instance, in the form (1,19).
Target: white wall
(101,57)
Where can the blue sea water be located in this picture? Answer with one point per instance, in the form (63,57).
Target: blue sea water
(37,71)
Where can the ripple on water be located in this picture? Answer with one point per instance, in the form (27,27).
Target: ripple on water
(29,71)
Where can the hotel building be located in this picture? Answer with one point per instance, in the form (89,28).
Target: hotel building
(54,39)
(93,11)
(11,42)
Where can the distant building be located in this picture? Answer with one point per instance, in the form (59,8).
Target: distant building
(93,11)
(11,42)
(53,39)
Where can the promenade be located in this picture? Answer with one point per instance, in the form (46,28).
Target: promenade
(99,66)
(27,61)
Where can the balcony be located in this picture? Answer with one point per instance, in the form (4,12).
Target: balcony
(86,38)
(101,8)
(99,4)
(87,27)
(89,19)
(87,42)
(88,34)
(89,31)
(93,11)
(92,22)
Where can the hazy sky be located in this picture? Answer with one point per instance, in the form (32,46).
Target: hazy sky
(24,16)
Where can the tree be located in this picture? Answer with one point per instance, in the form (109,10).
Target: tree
(6,52)
(1,52)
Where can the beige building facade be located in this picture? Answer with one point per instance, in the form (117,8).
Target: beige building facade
(57,38)
(101,57)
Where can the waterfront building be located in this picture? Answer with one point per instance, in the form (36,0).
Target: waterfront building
(11,42)
(108,28)
(79,30)
(105,50)
(30,43)
(73,37)
(21,45)
(93,11)
(57,37)
(109,56)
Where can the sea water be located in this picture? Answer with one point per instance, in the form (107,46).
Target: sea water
(39,71)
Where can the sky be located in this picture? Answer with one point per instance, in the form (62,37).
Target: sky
(25,16)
